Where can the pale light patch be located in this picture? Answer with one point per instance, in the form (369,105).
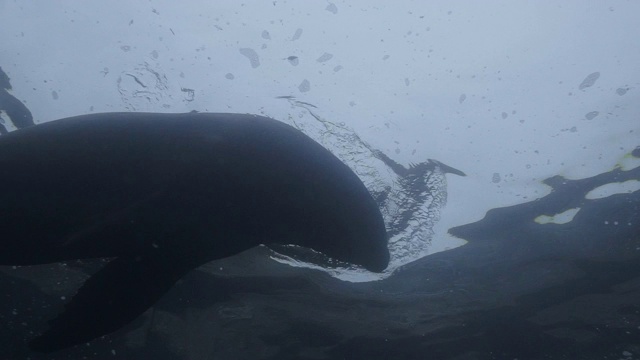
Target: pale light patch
(560,218)
(606,190)
(629,162)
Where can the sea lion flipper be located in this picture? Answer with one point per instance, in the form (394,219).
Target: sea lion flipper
(117,294)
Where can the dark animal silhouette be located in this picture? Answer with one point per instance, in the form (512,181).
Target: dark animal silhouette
(162,194)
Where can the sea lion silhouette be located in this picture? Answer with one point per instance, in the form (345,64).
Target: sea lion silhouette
(162,194)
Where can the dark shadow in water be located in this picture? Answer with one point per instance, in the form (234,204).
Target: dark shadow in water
(17,112)
(518,289)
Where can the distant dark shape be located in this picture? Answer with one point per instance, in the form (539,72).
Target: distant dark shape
(293,60)
(589,81)
(17,112)
(162,194)
(415,170)
(5,83)
(413,182)
(621,91)
(592,115)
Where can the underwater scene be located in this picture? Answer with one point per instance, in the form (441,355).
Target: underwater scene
(319,180)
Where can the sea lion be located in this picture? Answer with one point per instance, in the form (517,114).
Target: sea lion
(162,194)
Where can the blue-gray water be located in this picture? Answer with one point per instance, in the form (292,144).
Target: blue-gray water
(532,255)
